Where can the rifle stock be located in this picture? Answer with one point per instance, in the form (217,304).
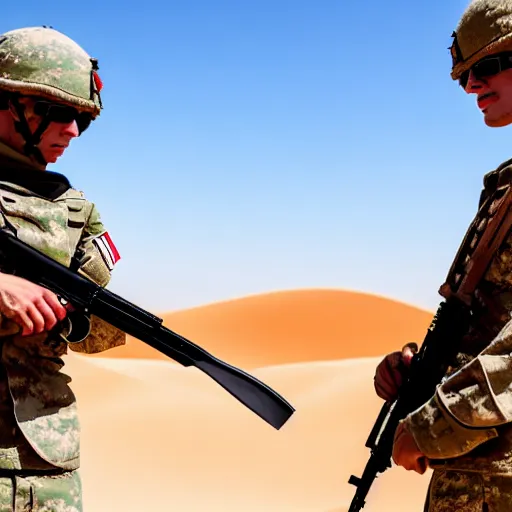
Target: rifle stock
(91,299)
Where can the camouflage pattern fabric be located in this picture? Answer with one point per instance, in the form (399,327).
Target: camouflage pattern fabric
(39,426)
(42,493)
(452,491)
(467,424)
(40,61)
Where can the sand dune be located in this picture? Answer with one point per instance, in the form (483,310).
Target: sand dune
(161,437)
(293,326)
(158,436)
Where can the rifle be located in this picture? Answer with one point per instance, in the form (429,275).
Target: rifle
(444,335)
(88,298)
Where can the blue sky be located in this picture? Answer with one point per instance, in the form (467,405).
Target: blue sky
(252,146)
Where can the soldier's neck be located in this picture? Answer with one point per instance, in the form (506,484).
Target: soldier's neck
(18,159)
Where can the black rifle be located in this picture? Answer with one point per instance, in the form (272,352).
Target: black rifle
(88,298)
(428,367)
(450,324)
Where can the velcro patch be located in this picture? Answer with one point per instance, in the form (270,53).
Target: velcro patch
(107,250)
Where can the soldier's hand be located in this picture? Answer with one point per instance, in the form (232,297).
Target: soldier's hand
(406,452)
(32,307)
(392,370)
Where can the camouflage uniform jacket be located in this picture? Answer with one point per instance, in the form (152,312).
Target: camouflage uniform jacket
(39,428)
(467,424)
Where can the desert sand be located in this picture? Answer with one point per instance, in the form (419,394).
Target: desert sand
(158,436)
(293,326)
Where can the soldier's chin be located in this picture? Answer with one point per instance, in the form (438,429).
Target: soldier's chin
(51,157)
(498,121)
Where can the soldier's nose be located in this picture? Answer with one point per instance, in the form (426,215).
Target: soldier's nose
(70,129)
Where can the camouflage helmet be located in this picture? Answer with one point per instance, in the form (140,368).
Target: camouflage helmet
(485,28)
(40,61)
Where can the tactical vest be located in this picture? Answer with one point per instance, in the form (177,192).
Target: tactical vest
(39,427)
(495,290)
(491,312)
(69,214)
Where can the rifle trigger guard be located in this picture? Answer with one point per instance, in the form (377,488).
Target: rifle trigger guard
(76,327)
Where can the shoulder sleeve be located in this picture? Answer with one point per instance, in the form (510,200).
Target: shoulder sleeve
(96,257)
(96,253)
(469,406)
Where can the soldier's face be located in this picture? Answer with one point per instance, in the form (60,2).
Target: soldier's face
(493,96)
(57,136)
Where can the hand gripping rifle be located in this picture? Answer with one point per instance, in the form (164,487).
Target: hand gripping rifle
(449,325)
(88,298)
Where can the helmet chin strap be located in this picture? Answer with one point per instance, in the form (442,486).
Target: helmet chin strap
(31,139)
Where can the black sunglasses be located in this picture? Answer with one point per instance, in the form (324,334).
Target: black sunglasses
(486,67)
(62,114)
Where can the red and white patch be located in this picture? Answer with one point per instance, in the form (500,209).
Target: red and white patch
(107,250)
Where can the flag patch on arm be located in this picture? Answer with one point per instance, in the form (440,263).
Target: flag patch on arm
(107,250)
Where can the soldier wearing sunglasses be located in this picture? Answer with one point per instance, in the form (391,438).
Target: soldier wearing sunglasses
(464,432)
(49,94)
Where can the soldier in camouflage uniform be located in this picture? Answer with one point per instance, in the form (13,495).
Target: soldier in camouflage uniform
(464,432)
(49,94)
